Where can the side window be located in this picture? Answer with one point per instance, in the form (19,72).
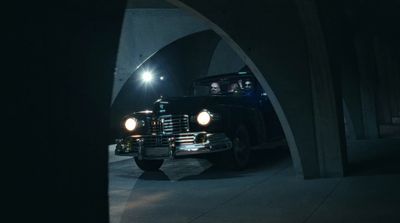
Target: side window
(200,90)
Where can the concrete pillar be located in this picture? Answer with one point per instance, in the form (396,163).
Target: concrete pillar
(383,88)
(396,82)
(350,82)
(368,83)
(326,68)
(348,124)
(393,76)
(270,38)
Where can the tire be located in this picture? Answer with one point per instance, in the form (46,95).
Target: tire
(238,158)
(149,165)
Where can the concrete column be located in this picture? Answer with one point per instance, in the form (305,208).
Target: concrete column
(368,81)
(348,124)
(383,88)
(393,76)
(397,84)
(327,101)
(350,82)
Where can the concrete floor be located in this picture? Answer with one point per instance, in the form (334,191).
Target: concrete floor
(192,190)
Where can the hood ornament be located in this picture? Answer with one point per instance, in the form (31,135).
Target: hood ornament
(162,106)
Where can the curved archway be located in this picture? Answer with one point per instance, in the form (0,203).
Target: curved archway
(140,34)
(297,159)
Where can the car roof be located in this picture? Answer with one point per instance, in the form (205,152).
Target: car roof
(208,79)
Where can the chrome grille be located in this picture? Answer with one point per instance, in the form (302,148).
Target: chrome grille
(170,124)
(150,141)
(185,138)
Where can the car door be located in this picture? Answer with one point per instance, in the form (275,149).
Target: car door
(271,121)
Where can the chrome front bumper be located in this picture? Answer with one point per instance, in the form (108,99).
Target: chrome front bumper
(163,147)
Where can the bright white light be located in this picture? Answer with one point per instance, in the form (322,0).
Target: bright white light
(130,124)
(147,76)
(204,118)
(162,78)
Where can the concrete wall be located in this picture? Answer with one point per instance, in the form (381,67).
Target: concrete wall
(144,32)
(225,60)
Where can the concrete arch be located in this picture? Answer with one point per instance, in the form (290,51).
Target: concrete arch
(280,54)
(297,161)
(140,37)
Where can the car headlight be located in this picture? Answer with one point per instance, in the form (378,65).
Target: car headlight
(131,124)
(204,118)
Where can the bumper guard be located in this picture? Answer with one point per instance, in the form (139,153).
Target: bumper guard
(164,147)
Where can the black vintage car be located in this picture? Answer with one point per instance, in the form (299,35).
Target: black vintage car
(227,116)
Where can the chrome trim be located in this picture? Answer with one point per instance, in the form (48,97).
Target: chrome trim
(177,145)
(216,142)
(170,124)
(140,148)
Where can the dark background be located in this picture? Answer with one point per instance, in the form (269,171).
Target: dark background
(57,82)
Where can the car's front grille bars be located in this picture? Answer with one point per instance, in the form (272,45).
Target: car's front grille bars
(162,140)
(170,124)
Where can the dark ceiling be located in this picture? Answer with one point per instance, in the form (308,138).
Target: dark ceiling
(148,4)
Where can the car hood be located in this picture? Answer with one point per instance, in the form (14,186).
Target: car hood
(192,104)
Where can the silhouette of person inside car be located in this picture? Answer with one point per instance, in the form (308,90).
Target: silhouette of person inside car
(215,88)
(234,88)
(248,87)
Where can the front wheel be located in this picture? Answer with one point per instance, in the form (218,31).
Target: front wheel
(238,157)
(149,165)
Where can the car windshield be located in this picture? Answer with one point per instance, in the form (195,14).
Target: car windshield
(225,86)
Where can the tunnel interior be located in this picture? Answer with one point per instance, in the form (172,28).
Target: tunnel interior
(330,68)
(195,53)
(333,87)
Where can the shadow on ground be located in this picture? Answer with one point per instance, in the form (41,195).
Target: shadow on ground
(261,160)
(372,158)
(156,175)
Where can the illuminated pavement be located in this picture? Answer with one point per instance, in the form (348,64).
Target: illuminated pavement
(192,190)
